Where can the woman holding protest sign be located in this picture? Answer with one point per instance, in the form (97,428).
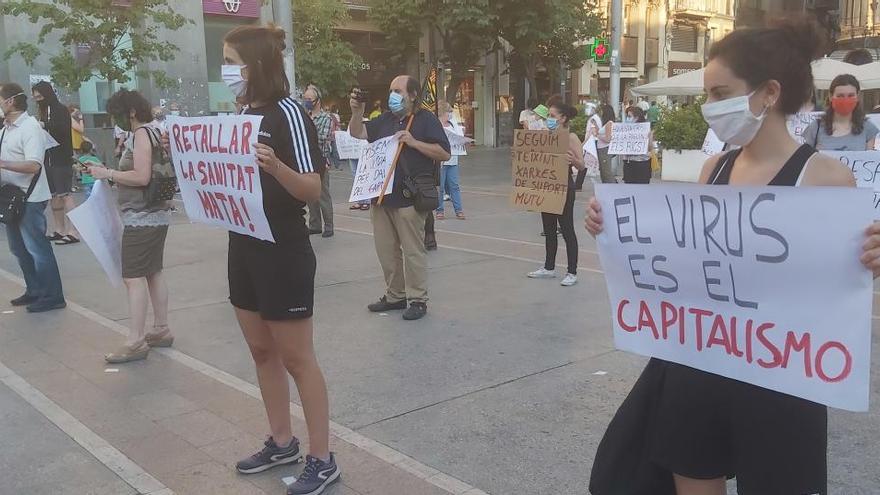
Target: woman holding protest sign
(449,175)
(685,431)
(560,115)
(844,126)
(637,168)
(272,285)
(145,222)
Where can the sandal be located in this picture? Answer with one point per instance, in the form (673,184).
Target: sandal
(365,207)
(127,354)
(441,216)
(159,337)
(67,239)
(56,236)
(459,215)
(354,206)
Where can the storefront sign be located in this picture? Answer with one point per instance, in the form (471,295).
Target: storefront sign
(236,8)
(679,68)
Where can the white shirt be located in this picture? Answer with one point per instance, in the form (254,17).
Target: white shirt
(644,105)
(525,116)
(23,140)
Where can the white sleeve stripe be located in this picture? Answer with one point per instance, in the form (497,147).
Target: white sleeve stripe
(299,137)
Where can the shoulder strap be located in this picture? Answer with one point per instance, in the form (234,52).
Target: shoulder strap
(400,148)
(722,165)
(34,179)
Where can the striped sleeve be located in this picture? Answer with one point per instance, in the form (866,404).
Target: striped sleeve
(298,135)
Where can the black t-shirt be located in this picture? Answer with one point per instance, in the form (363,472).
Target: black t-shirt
(287,128)
(425,127)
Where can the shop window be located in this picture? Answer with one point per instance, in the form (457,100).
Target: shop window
(684,38)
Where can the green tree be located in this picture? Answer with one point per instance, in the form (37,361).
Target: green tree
(682,128)
(465,28)
(118,36)
(322,57)
(545,32)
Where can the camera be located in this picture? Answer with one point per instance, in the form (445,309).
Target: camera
(359,94)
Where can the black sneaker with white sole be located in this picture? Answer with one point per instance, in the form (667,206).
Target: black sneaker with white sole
(272,455)
(317,476)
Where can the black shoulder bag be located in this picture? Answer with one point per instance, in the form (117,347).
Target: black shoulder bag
(12,198)
(421,188)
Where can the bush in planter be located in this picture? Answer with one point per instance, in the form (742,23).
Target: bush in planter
(578,124)
(681,128)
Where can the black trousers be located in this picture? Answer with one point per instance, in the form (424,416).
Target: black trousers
(637,172)
(566,225)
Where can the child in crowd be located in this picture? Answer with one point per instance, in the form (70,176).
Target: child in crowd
(87,158)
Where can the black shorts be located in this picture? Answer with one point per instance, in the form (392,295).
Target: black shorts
(707,426)
(275,280)
(637,172)
(60,178)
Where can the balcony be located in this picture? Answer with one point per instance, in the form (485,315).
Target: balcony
(629,55)
(652,52)
(703,8)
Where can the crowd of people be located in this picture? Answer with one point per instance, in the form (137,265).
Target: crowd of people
(700,428)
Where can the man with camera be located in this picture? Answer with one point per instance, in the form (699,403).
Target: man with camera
(399,222)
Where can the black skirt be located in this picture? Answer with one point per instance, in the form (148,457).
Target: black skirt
(700,425)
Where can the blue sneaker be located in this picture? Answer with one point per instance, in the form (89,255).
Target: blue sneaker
(272,455)
(317,476)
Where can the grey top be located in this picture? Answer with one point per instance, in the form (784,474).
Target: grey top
(850,142)
(135,210)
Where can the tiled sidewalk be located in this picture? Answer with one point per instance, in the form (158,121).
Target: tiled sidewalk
(178,424)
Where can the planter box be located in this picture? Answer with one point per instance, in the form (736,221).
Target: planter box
(682,165)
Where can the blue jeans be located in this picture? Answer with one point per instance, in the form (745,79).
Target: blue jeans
(449,185)
(28,242)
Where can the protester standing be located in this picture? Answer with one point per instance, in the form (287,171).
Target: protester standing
(844,126)
(145,222)
(398,227)
(55,118)
(637,168)
(560,119)
(689,430)
(594,126)
(322,209)
(603,140)
(653,114)
(449,171)
(272,285)
(22,151)
(77,128)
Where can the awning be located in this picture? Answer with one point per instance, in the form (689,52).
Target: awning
(824,71)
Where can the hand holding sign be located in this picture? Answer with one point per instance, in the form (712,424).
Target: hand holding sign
(630,139)
(266,158)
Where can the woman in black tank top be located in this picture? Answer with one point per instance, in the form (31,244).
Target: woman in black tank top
(684,431)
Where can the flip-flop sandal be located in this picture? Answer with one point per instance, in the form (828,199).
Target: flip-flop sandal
(354,206)
(68,239)
(55,237)
(365,207)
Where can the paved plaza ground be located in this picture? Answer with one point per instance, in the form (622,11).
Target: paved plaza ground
(505,388)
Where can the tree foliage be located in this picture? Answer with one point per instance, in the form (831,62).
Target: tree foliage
(118,35)
(465,28)
(545,32)
(682,128)
(322,57)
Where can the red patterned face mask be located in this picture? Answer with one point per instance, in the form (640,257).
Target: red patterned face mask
(844,105)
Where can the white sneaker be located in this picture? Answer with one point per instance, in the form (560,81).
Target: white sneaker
(447,197)
(543,273)
(569,280)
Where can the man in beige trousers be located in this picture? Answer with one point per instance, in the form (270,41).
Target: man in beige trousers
(398,228)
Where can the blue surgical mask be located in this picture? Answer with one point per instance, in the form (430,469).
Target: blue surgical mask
(396,103)
(552,124)
(309,105)
(629,119)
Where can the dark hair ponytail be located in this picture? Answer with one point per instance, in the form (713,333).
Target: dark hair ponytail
(781,52)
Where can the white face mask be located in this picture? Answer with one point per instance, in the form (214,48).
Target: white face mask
(732,119)
(231,75)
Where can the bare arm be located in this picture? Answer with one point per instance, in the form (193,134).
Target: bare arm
(356,126)
(605,135)
(22,167)
(432,150)
(142,172)
(575,152)
(77,125)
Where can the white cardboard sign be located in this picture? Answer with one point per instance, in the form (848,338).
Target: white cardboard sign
(373,167)
(100,227)
(217,171)
(711,144)
(759,284)
(865,166)
(457,141)
(349,148)
(629,139)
